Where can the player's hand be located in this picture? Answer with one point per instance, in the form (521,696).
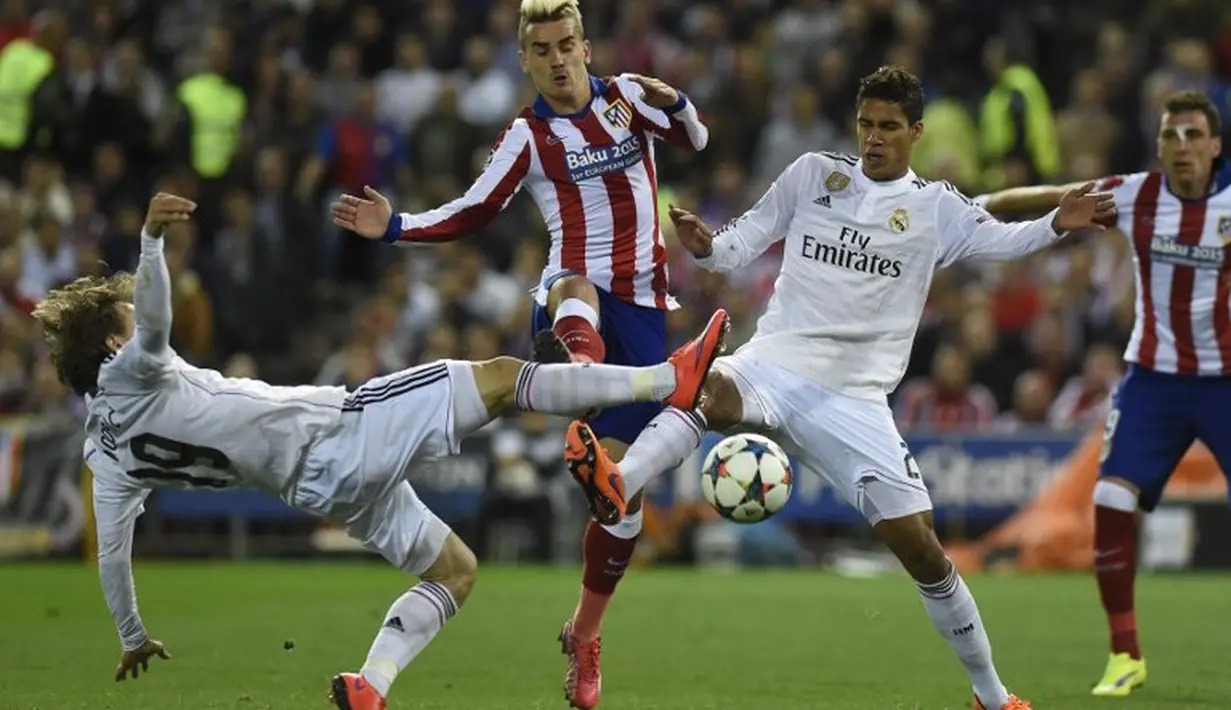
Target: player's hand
(367,218)
(164,209)
(138,659)
(658,93)
(692,232)
(1084,208)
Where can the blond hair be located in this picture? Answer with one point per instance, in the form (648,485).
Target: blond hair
(533,11)
(77,319)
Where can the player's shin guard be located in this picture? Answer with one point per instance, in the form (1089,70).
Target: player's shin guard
(663,445)
(411,624)
(956,616)
(569,389)
(607,552)
(1115,562)
(576,324)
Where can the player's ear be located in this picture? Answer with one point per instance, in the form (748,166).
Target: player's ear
(1216,146)
(585,49)
(916,130)
(521,59)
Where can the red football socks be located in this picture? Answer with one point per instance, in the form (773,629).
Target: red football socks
(581,338)
(1115,564)
(606,559)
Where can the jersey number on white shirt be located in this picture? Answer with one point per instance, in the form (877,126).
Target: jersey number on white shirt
(173,461)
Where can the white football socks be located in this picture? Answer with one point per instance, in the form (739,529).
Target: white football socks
(411,624)
(571,389)
(956,617)
(663,445)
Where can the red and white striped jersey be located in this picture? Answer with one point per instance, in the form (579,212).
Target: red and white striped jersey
(592,175)
(1182,251)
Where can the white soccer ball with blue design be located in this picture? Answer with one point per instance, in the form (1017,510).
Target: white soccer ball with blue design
(747,478)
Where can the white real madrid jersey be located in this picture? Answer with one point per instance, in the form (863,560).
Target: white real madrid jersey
(857,263)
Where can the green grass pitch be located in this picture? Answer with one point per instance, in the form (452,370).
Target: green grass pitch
(674,640)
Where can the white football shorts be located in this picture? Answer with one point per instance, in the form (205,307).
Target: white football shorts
(852,443)
(391,426)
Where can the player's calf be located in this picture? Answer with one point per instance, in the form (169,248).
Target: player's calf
(1115,567)
(948,601)
(411,624)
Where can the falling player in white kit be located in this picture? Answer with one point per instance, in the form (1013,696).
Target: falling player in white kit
(863,237)
(154,420)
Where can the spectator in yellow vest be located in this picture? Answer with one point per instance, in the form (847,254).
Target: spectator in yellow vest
(1017,127)
(36,101)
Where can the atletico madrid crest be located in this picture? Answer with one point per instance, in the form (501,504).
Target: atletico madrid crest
(1224,229)
(619,115)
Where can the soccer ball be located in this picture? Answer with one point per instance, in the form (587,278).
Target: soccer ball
(747,478)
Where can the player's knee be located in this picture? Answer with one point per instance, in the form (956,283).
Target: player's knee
(496,380)
(573,286)
(1116,493)
(455,569)
(722,405)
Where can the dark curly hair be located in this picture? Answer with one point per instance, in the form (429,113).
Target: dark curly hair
(895,85)
(77,319)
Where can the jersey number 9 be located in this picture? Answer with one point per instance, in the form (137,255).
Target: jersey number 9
(167,458)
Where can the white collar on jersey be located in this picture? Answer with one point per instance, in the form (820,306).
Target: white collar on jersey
(894,186)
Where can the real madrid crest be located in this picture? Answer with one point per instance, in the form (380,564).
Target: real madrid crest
(1224,229)
(899,221)
(836,182)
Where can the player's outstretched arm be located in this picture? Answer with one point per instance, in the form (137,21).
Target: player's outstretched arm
(372,216)
(665,111)
(1030,200)
(152,293)
(116,507)
(967,231)
(743,239)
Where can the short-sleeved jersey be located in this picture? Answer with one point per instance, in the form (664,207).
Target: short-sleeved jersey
(163,422)
(593,176)
(857,265)
(1182,254)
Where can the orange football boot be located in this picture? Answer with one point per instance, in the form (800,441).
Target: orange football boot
(350,691)
(583,684)
(596,473)
(1015,703)
(692,362)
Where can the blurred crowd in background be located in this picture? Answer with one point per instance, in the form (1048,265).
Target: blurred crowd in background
(265,110)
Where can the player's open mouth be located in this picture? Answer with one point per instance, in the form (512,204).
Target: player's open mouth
(560,79)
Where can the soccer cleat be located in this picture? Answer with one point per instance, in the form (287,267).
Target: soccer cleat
(550,349)
(692,362)
(349,691)
(583,684)
(1015,703)
(596,473)
(1124,674)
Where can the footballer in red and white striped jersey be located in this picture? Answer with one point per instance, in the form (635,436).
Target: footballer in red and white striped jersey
(1178,386)
(592,175)
(1182,251)
(585,152)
